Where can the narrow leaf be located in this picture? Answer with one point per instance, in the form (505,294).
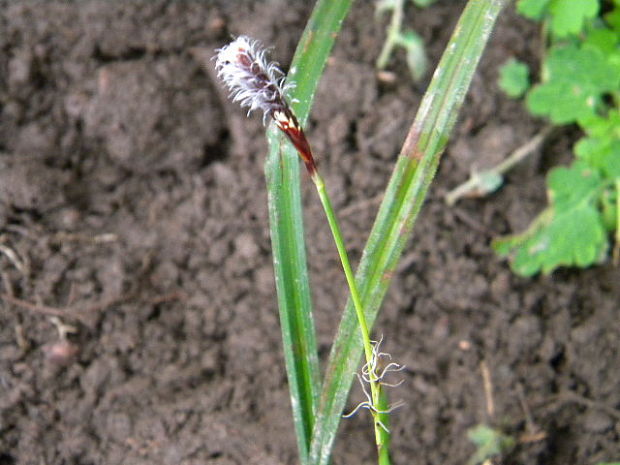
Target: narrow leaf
(286,224)
(405,193)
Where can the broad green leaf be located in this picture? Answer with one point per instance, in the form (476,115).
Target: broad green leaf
(575,238)
(572,185)
(603,39)
(562,102)
(601,153)
(569,232)
(580,82)
(566,17)
(533,9)
(601,147)
(569,16)
(514,78)
(573,81)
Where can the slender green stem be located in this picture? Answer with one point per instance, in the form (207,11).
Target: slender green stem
(476,183)
(346,264)
(375,388)
(384,406)
(392,34)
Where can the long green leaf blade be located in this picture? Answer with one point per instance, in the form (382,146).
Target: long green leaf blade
(415,169)
(286,224)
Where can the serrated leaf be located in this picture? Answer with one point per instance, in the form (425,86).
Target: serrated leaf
(562,102)
(572,185)
(600,153)
(533,9)
(569,16)
(574,79)
(566,17)
(571,239)
(570,232)
(601,148)
(514,78)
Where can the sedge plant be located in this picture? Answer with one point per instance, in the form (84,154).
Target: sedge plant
(257,84)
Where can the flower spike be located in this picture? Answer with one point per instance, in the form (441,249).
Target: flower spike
(258,84)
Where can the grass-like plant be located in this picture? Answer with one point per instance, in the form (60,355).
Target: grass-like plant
(318,402)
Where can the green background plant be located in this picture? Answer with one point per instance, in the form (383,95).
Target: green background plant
(579,84)
(489,443)
(514,78)
(399,37)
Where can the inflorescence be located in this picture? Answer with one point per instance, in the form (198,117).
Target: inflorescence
(259,84)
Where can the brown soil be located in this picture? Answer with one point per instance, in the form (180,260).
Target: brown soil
(132,206)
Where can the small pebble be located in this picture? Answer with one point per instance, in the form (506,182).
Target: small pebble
(61,352)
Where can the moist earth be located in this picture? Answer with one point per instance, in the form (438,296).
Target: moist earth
(138,320)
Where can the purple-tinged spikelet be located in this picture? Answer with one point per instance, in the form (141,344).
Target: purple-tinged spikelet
(253,81)
(258,84)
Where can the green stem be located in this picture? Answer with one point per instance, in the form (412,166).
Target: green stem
(475,183)
(346,264)
(384,407)
(392,34)
(381,437)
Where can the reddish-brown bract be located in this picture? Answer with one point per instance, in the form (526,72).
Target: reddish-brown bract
(288,124)
(256,83)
